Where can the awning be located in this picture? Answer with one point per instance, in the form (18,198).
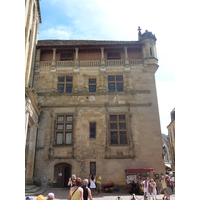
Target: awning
(139,170)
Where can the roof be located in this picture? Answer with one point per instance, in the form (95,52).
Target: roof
(85,42)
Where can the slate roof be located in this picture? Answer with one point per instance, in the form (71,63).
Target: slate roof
(84,42)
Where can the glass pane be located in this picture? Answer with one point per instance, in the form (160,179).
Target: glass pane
(119,87)
(122,126)
(60,119)
(69,56)
(113,117)
(68,138)
(111,87)
(59,138)
(68,88)
(122,118)
(92,130)
(60,88)
(68,79)
(93,168)
(92,88)
(60,126)
(119,78)
(68,126)
(111,78)
(113,126)
(92,81)
(116,55)
(69,118)
(110,55)
(123,139)
(61,79)
(63,56)
(114,138)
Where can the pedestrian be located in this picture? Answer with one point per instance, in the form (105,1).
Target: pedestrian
(154,189)
(98,182)
(89,180)
(164,186)
(169,189)
(172,185)
(86,190)
(92,185)
(133,187)
(40,197)
(50,196)
(72,180)
(145,184)
(29,198)
(76,192)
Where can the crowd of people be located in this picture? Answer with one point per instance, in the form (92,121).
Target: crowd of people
(151,191)
(79,190)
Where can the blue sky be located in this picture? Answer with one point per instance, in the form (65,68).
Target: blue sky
(119,20)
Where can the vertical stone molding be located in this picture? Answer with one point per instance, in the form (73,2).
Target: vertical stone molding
(53,62)
(37,63)
(26,124)
(127,81)
(102,59)
(85,85)
(76,64)
(126,57)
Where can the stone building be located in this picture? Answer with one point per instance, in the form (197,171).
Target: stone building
(32,109)
(166,154)
(99,108)
(171,138)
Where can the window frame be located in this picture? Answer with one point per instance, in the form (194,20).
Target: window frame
(65,84)
(113,55)
(90,129)
(67,57)
(115,82)
(118,130)
(92,84)
(64,131)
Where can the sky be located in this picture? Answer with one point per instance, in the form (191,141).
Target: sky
(117,20)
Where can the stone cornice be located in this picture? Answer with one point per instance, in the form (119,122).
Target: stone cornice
(32,95)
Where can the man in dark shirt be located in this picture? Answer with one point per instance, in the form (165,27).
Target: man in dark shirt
(86,190)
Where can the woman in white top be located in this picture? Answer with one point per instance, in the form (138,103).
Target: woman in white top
(92,185)
(154,189)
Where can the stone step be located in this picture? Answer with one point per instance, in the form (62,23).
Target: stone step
(29,187)
(36,192)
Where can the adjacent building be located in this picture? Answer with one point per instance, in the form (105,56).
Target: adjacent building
(32,108)
(166,154)
(171,138)
(99,109)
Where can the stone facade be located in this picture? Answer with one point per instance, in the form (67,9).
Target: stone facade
(171,138)
(127,127)
(32,109)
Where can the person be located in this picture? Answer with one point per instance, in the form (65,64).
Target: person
(40,197)
(172,185)
(29,198)
(133,187)
(89,180)
(154,193)
(50,196)
(169,189)
(76,192)
(71,181)
(86,190)
(164,186)
(145,183)
(92,185)
(98,182)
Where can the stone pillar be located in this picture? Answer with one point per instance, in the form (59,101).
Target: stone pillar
(126,57)
(31,154)
(102,58)
(53,62)
(26,124)
(76,65)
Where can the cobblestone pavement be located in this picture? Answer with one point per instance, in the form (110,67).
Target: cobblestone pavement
(61,194)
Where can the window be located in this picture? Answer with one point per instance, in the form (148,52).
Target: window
(113,55)
(115,83)
(65,84)
(93,168)
(92,130)
(64,129)
(118,129)
(92,85)
(66,56)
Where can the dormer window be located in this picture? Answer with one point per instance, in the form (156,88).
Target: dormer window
(113,55)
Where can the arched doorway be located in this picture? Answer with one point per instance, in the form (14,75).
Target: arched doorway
(62,172)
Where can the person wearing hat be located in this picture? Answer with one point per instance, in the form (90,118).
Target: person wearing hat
(40,197)
(50,196)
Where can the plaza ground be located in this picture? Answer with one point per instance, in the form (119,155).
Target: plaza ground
(62,193)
